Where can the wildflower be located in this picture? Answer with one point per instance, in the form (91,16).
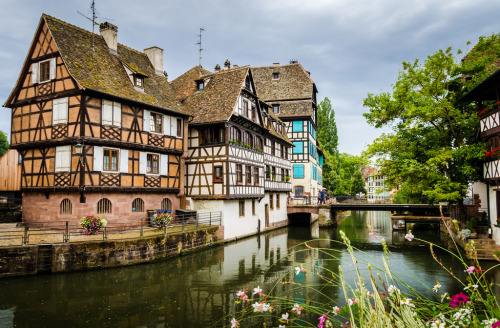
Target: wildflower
(243,297)
(257,290)
(443,297)
(296,308)
(351,302)
(438,324)
(369,294)
(407,301)
(470,270)
(234,323)
(392,289)
(371,234)
(261,307)
(284,317)
(436,287)
(336,310)
(298,270)
(322,320)
(409,236)
(496,324)
(458,299)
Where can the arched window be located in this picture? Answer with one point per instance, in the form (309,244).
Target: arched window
(166,204)
(248,139)
(104,206)
(258,143)
(138,205)
(66,206)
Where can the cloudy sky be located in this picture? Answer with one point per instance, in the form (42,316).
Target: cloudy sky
(351,47)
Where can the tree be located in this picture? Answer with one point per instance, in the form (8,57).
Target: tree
(4,143)
(328,141)
(433,150)
(350,178)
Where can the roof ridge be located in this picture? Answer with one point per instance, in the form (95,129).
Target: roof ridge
(265,66)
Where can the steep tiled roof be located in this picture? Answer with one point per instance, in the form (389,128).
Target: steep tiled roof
(296,108)
(215,103)
(293,82)
(102,71)
(185,85)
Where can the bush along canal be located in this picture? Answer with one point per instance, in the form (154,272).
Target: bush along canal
(300,271)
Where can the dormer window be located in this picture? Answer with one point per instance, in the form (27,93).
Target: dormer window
(276,76)
(139,81)
(200,85)
(276,109)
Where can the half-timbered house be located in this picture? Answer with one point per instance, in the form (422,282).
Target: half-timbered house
(238,151)
(487,97)
(97,125)
(291,94)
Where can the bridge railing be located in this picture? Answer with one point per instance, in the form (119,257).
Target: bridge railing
(379,200)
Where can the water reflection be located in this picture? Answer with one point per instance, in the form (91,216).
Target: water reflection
(197,290)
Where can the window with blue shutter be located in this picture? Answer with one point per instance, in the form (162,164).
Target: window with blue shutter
(298,171)
(299,147)
(297,126)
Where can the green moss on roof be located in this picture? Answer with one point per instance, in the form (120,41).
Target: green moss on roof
(102,71)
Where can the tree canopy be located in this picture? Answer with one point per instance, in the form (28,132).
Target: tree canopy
(433,149)
(4,143)
(328,141)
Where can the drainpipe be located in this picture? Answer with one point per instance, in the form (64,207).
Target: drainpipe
(488,205)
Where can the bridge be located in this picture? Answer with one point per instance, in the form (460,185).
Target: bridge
(403,213)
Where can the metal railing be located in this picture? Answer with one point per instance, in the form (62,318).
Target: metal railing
(55,232)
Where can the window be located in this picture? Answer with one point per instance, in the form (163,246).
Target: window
(179,127)
(256,176)
(138,205)
(273,173)
(247,139)
(200,85)
(273,147)
(153,164)
(235,134)
(66,206)
(20,159)
(110,160)
(297,126)
(276,76)
(63,159)
(258,143)
(248,174)
(245,108)
(298,170)
(271,203)
(299,191)
(268,172)
(299,147)
(138,81)
(285,152)
(253,207)
(60,111)
(276,109)
(111,113)
(43,71)
(103,206)
(242,208)
(283,178)
(156,122)
(218,174)
(277,201)
(211,135)
(166,204)
(282,151)
(254,113)
(239,173)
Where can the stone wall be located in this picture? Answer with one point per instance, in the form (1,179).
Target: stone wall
(10,213)
(24,260)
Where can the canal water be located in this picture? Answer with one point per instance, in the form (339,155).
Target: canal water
(198,290)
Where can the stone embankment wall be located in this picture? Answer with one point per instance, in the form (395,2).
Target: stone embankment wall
(26,260)
(10,213)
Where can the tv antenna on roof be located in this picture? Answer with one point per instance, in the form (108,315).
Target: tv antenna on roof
(200,49)
(93,19)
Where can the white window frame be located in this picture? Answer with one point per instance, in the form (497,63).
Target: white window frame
(162,165)
(63,159)
(35,71)
(111,113)
(99,160)
(60,111)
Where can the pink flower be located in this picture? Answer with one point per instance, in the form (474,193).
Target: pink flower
(409,236)
(496,324)
(371,234)
(459,299)
(234,323)
(470,270)
(322,320)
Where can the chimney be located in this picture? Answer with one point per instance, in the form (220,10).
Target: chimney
(235,66)
(217,68)
(227,64)
(155,55)
(109,32)
(276,64)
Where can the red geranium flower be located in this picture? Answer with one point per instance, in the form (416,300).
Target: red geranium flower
(459,299)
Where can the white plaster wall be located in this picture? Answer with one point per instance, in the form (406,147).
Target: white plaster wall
(480,189)
(494,215)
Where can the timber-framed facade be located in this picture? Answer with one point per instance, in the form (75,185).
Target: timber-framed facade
(290,93)
(238,153)
(89,133)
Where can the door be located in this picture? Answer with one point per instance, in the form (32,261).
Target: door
(267,215)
